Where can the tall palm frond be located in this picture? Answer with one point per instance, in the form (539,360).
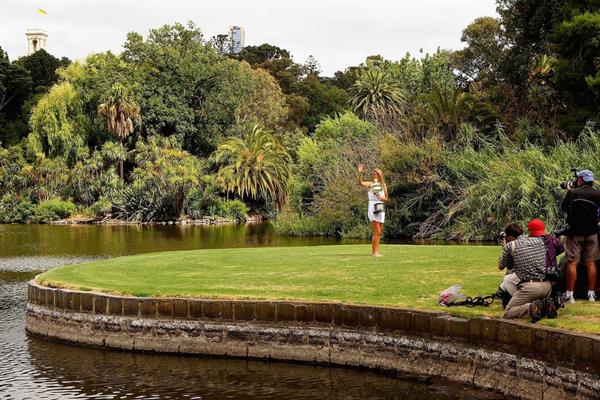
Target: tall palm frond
(254,165)
(446,110)
(121,111)
(376,97)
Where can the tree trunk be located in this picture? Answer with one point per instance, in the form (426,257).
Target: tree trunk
(121,170)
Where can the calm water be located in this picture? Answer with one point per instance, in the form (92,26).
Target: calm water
(35,369)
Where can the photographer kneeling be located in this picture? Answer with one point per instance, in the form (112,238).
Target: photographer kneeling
(581,205)
(510,281)
(527,257)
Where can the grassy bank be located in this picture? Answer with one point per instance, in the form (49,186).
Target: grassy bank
(406,276)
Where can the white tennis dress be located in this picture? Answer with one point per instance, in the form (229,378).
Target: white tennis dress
(380,217)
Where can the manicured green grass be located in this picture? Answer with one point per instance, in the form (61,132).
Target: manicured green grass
(406,276)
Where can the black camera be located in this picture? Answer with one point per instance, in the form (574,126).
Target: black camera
(564,231)
(568,185)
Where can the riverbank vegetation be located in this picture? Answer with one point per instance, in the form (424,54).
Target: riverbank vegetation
(175,127)
(406,276)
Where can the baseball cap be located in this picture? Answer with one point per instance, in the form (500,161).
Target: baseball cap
(586,175)
(536,227)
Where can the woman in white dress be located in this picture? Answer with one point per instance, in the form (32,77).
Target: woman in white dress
(378,195)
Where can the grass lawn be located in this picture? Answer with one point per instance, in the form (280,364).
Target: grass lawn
(406,276)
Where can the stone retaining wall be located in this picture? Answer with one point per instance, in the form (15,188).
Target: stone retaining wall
(515,358)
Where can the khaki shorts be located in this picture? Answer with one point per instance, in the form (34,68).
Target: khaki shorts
(582,248)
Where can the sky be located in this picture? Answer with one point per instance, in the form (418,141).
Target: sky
(337,33)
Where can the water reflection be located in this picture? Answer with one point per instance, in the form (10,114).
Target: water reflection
(115,240)
(102,374)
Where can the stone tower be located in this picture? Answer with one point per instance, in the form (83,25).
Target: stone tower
(36,40)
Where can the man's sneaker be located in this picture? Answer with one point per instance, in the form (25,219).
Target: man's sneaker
(592,297)
(570,299)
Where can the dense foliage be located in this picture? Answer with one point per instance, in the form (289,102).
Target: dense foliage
(175,127)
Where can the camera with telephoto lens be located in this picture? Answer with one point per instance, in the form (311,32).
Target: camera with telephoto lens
(501,238)
(564,231)
(568,185)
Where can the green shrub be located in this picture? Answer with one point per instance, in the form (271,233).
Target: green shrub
(53,210)
(141,205)
(200,203)
(101,208)
(360,231)
(233,209)
(295,224)
(14,209)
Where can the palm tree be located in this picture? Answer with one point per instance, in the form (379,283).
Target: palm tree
(376,97)
(121,111)
(447,110)
(254,165)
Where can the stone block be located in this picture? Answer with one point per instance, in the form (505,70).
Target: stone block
(404,320)
(212,309)
(227,310)
(285,312)
(489,328)
(73,301)
(421,322)
(32,294)
(131,307)
(305,313)
(120,342)
(165,308)
(596,355)
(48,298)
(350,316)
(115,306)
(523,338)
(40,296)
(539,342)
(367,317)
(195,310)
(59,299)
(100,304)
(476,329)
(324,313)
(439,326)
(386,320)
(87,302)
(53,297)
(583,348)
(337,314)
(459,328)
(148,308)
(265,312)
(243,310)
(505,333)
(180,308)
(562,347)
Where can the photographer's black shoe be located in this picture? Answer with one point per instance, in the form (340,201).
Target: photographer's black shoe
(536,310)
(550,309)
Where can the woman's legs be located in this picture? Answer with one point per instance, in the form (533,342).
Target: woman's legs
(377,228)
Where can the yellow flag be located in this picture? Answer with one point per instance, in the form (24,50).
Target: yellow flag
(41,12)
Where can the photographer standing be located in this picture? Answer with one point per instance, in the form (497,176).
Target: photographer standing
(581,205)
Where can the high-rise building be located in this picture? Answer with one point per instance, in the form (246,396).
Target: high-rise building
(237,38)
(36,40)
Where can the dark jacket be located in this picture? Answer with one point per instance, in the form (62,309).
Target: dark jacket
(554,247)
(581,205)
